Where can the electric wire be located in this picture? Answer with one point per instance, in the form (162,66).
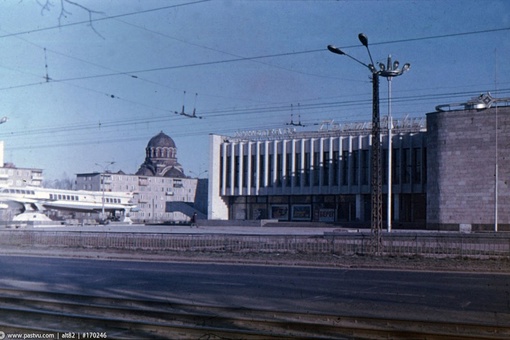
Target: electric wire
(72,129)
(60,26)
(222,112)
(133,73)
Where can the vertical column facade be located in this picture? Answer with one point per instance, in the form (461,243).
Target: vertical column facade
(217,207)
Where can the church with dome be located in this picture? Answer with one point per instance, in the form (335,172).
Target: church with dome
(162,191)
(161,158)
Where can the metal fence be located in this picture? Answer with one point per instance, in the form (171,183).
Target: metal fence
(395,244)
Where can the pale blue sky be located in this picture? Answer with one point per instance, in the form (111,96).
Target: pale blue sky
(116,82)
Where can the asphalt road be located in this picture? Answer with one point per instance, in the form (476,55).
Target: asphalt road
(481,298)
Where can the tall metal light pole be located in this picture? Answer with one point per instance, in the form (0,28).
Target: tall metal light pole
(376,221)
(389,71)
(496,177)
(376,176)
(101,183)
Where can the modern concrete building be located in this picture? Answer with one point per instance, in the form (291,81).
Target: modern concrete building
(451,175)
(315,175)
(469,166)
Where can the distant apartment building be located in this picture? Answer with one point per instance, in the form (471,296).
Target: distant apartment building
(162,191)
(14,176)
(10,175)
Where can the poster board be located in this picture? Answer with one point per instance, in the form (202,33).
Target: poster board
(301,212)
(280,212)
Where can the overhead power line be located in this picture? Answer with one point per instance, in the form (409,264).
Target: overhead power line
(133,73)
(205,63)
(102,19)
(441,36)
(267,56)
(257,111)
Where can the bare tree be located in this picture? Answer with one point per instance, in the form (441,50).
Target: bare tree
(65,182)
(64,9)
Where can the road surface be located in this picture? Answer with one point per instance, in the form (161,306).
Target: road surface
(454,297)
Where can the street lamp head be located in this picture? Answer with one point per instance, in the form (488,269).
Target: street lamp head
(363,39)
(335,50)
(391,68)
(105,166)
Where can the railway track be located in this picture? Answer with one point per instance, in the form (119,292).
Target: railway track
(70,316)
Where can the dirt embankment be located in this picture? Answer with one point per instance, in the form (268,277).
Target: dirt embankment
(456,264)
(496,265)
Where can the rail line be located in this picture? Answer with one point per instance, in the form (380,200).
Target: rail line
(73,316)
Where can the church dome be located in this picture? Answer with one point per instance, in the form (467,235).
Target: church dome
(161,158)
(161,140)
